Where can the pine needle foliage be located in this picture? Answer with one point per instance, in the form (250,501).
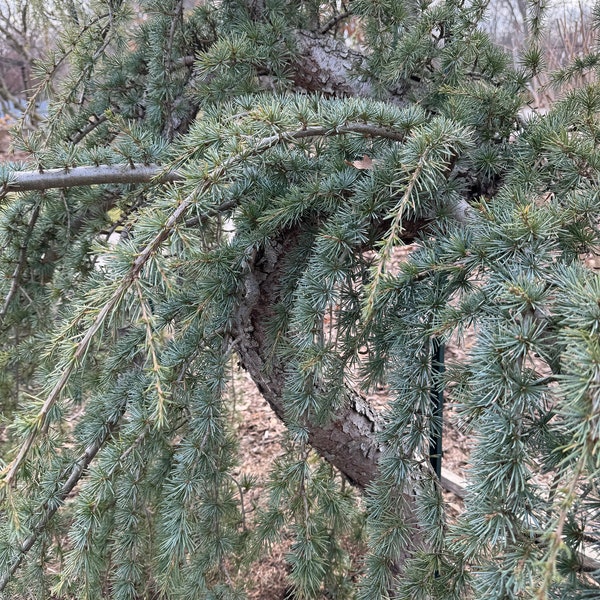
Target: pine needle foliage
(274,245)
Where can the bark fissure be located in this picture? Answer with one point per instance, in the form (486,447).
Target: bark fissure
(328,66)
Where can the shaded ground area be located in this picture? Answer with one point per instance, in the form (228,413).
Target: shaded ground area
(260,435)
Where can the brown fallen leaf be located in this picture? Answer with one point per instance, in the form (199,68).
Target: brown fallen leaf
(365,163)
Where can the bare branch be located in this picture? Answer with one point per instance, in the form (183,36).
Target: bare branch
(334,21)
(23,181)
(11,37)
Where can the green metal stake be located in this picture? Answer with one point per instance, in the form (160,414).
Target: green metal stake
(437,408)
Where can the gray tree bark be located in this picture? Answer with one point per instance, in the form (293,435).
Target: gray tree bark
(23,181)
(348,441)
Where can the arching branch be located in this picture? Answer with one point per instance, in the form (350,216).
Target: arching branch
(348,441)
(24,181)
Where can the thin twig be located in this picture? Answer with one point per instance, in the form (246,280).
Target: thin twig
(50,507)
(335,21)
(161,395)
(89,128)
(16,276)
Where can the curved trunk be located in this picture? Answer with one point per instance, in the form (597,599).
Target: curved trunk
(348,441)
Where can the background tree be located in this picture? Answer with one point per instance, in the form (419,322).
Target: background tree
(259,169)
(28,31)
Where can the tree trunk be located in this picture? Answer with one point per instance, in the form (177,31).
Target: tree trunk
(349,440)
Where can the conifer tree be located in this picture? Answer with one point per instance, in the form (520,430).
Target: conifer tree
(260,167)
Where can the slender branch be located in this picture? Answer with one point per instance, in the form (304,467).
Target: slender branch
(391,240)
(89,128)
(24,181)
(50,508)
(161,395)
(16,277)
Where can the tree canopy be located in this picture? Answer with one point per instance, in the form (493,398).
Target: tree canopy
(223,183)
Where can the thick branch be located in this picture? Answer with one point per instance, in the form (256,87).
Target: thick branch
(349,441)
(23,181)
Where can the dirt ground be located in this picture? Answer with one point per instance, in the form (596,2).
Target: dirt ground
(260,434)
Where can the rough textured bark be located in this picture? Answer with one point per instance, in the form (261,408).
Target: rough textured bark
(326,65)
(349,441)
